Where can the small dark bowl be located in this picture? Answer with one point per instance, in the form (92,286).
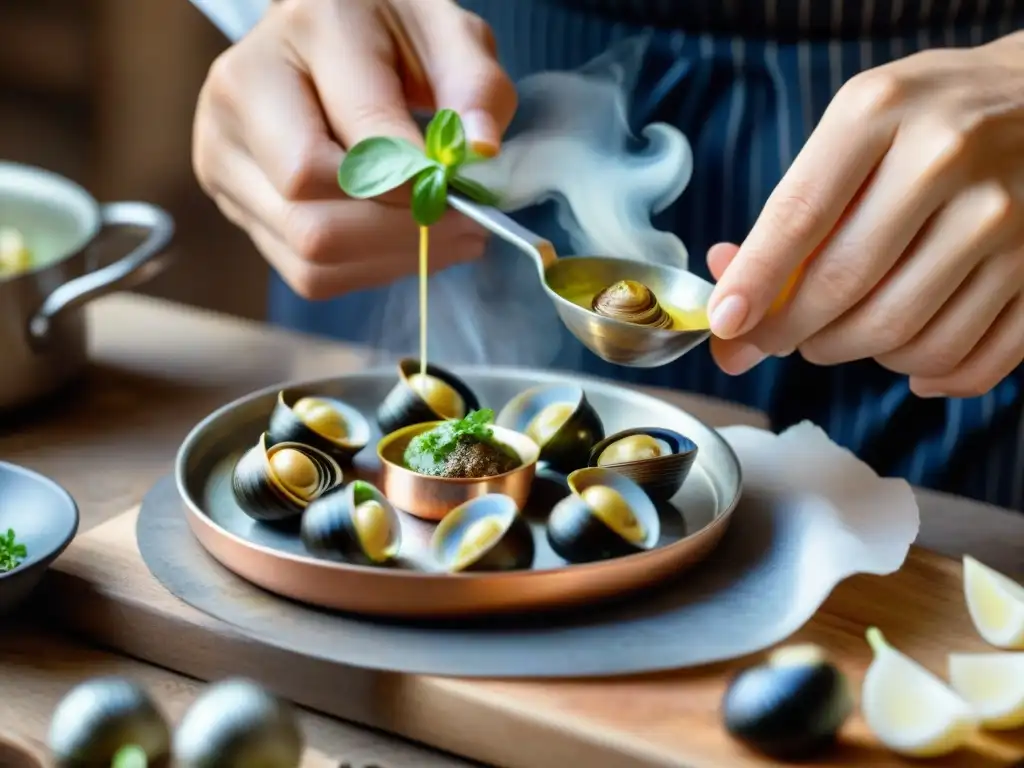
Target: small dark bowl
(44,518)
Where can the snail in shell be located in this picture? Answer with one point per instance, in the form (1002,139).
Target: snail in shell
(559,419)
(631,302)
(417,397)
(356,524)
(789,708)
(656,459)
(236,723)
(484,534)
(108,721)
(607,515)
(328,424)
(278,482)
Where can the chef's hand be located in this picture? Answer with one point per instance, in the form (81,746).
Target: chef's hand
(314,77)
(897,234)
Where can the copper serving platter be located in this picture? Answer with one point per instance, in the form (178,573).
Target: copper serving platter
(274,558)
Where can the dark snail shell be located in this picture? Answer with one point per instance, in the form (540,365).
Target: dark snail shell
(607,515)
(236,723)
(99,717)
(356,523)
(658,460)
(279,482)
(447,397)
(560,419)
(333,426)
(789,708)
(484,534)
(631,302)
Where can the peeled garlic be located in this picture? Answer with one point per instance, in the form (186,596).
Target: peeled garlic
(909,709)
(996,605)
(993,684)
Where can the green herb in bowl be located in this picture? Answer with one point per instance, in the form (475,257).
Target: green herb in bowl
(12,552)
(461,448)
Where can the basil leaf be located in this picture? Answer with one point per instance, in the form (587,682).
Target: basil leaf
(430,196)
(446,139)
(474,190)
(378,165)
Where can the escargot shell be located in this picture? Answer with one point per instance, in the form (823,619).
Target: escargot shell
(357,524)
(273,483)
(416,399)
(657,459)
(486,533)
(326,423)
(631,302)
(607,515)
(560,419)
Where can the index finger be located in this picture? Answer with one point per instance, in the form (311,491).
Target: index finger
(802,210)
(353,62)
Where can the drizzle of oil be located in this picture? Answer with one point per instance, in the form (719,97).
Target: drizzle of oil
(682,319)
(424,248)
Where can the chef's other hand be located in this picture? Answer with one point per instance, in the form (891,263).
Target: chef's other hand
(313,77)
(897,234)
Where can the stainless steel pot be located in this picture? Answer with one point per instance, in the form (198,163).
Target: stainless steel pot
(43,335)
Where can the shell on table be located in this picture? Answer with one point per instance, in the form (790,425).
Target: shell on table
(415,398)
(658,460)
(560,419)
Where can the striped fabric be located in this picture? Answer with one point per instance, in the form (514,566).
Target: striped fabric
(747,103)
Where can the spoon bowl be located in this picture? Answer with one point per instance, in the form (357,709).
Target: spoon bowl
(572,282)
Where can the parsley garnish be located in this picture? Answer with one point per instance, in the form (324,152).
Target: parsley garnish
(428,451)
(11,552)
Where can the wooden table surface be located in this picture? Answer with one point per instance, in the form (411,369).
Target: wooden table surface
(158,368)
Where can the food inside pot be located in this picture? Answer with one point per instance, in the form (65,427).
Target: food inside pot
(463,448)
(15,257)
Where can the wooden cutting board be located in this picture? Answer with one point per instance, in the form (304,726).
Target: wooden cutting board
(101,588)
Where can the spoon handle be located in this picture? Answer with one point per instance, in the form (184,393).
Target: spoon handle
(502,225)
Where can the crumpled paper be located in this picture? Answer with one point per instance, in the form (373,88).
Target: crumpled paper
(827,516)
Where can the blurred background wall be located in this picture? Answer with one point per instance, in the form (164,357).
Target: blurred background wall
(104,91)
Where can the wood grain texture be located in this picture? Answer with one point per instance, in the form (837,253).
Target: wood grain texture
(656,720)
(37,669)
(158,368)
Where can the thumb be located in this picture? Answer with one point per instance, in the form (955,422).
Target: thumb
(720,256)
(459,58)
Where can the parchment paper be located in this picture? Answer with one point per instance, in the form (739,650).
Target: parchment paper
(812,514)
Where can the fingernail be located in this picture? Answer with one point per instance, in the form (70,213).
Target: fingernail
(786,352)
(481,133)
(745,358)
(728,316)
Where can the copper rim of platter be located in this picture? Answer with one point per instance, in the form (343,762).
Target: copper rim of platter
(387,592)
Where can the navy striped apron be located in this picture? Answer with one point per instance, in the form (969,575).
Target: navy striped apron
(746,81)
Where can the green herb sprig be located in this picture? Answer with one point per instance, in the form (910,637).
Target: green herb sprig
(428,451)
(12,552)
(382,163)
(130,756)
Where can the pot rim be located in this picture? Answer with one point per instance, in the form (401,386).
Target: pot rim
(57,192)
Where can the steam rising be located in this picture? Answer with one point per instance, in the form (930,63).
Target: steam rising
(570,146)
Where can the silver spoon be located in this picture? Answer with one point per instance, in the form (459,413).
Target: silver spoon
(616,341)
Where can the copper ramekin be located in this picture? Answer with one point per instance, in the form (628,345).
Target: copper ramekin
(431,498)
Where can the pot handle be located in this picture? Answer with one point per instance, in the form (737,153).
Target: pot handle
(134,268)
